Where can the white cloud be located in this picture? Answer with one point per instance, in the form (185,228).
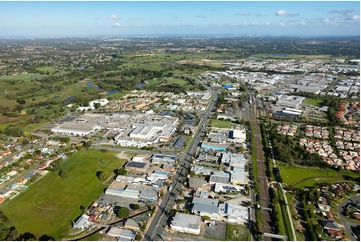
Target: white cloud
(284,13)
(113,16)
(117,25)
(243,14)
(200,16)
(356,17)
(281,13)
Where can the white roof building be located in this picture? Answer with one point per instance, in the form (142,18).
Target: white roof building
(186,223)
(234,213)
(239,135)
(81,222)
(223,187)
(238,177)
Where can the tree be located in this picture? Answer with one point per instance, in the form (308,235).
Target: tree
(134,206)
(123,212)
(87,144)
(138,237)
(46,237)
(21,101)
(102,175)
(121,171)
(96,105)
(27,236)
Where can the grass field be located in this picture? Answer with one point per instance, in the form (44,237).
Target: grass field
(221,123)
(22,77)
(236,232)
(305,177)
(314,102)
(180,82)
(49,69)
(50,205)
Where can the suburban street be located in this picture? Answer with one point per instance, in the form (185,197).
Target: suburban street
(347,225)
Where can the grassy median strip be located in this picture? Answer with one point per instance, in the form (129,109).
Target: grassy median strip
(285,220)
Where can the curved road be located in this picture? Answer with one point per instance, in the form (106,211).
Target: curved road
(346,224)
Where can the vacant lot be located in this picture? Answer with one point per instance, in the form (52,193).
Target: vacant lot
(50,205)
(304,177)
(236,232)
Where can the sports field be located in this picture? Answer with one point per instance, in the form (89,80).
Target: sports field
(221,123)
(50,205)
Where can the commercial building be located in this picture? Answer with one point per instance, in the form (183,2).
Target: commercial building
(219,176)
(233,213)
(163,159)
(121,234)
(138,192)
(205,207)
(233,159)
(77,127)
(289,101)
(137,166)
(158,175)
(186,223)
(225,188)
(238,135)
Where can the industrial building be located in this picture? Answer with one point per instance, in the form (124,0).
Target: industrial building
(163,159)
(238,135)
(289,101)
(137,166)
(186,223)
(219,176)
(77,127)
(138,192)
(234,213)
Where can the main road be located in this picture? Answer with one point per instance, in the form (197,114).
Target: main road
(159,220)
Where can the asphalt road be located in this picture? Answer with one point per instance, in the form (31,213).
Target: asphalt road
(347,225)
(159,221)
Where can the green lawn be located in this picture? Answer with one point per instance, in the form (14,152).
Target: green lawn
(221,123)
(236,232)
(49,69)
(298,177)
(314,102)
(178,81)
(51,204)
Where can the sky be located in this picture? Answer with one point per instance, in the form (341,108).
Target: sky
(279,18)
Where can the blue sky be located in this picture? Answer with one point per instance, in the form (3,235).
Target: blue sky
(147,18)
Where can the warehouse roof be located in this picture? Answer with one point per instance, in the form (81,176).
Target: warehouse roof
(186,221)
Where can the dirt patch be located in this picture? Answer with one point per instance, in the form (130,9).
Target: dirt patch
(122,155)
